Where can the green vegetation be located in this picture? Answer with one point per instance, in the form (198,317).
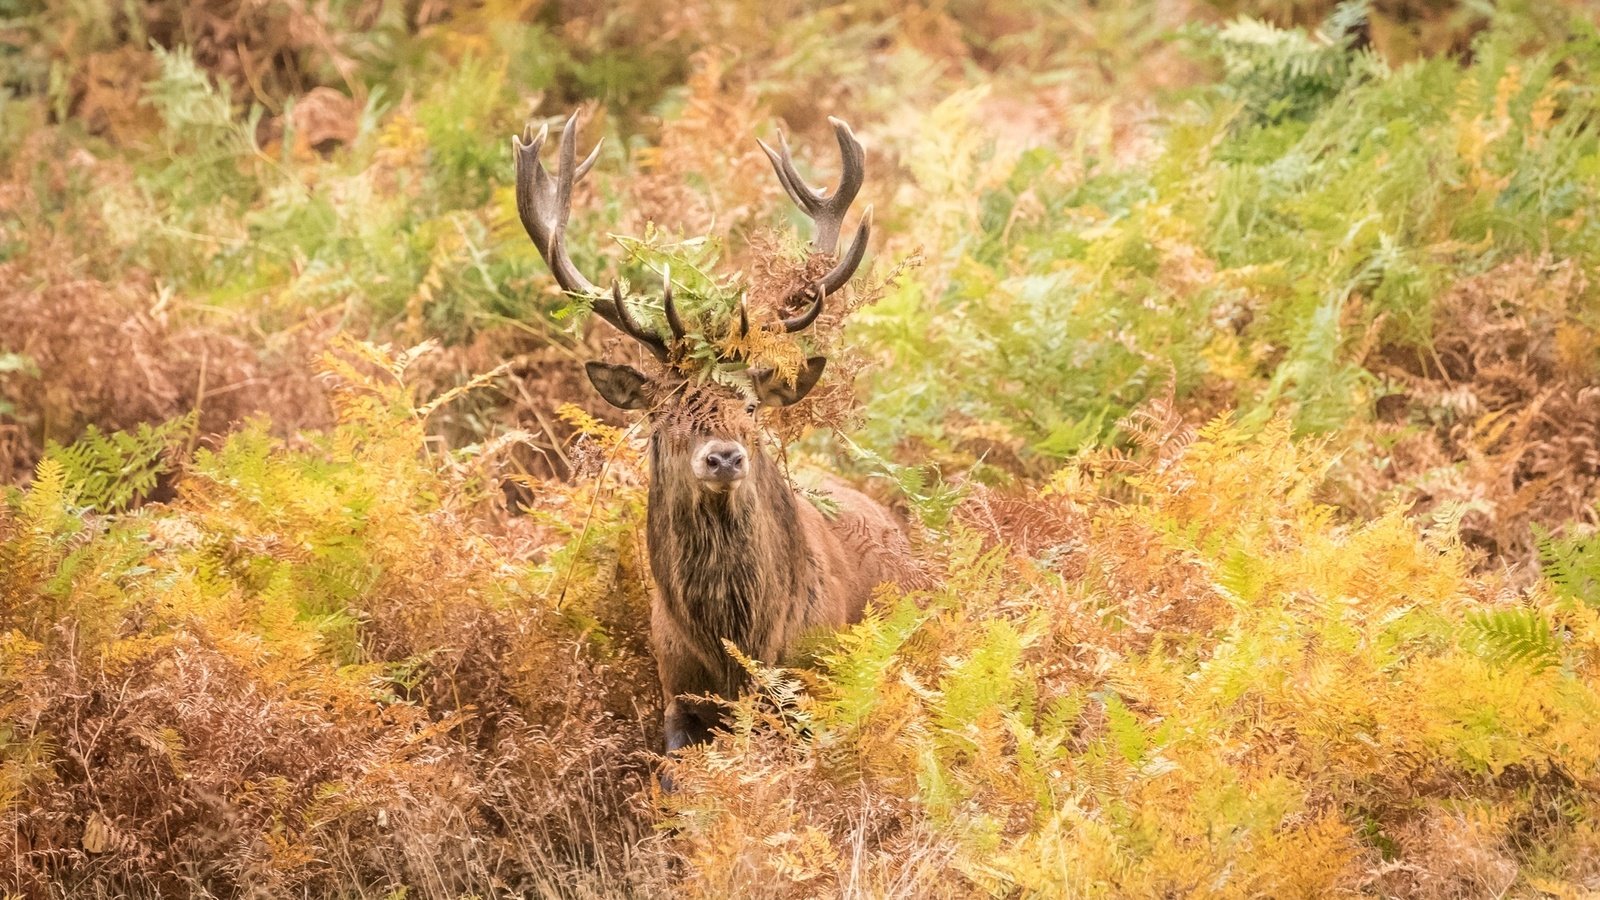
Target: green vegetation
(1238,363)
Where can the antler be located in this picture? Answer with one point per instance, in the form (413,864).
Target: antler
(544,204)
(625,322)
(828,214)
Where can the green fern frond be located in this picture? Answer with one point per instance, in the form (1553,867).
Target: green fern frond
(923,486)
(1572,565)
(42,505)
(1281,74)
(864,658)
(1516,636)
(109,471)
(1124,731)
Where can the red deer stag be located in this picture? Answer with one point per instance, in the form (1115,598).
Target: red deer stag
(736,554)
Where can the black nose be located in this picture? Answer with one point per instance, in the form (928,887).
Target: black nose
(728,461)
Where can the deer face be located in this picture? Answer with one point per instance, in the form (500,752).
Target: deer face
(705,431)
(705,434)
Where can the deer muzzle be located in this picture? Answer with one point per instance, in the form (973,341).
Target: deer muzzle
(721,464)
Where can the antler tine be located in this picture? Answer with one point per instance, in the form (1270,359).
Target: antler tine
(827,212)
(625,322)
(674,321)
(800,321)
(833,280)
(544,203)
(845,269)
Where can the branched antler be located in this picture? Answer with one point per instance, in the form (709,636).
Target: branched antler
(828,213)
(544,203)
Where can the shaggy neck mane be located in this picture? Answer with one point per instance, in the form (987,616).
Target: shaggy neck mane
(732,565)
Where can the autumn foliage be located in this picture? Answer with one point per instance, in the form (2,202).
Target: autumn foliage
(1235,366)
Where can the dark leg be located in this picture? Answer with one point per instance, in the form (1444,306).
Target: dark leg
(687,723)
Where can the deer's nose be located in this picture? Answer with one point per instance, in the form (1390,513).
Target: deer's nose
(722,461)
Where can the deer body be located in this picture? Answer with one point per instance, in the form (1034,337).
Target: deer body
(737,554)
(759,568)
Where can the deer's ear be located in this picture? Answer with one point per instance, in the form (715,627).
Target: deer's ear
(774,391)
(623,386)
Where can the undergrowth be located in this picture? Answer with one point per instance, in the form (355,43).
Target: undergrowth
(1238,365)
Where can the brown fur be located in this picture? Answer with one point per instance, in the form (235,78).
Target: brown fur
(758,566)
(737,556)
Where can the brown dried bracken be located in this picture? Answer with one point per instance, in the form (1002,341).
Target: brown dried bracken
(1499,416)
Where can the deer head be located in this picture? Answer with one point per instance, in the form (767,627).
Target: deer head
(702,430)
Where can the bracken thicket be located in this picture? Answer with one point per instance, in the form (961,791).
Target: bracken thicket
(1235,364)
